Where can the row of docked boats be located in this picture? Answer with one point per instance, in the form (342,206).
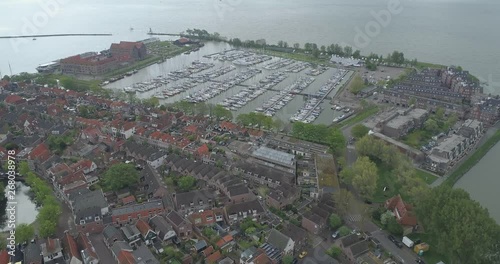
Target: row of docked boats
(195,67)
(215,73)
(275,103)
(217,88)
(312,108)
(298,67)
(252,60)
(278,64)
(309,112)
(317,71)
(246,95)
(232,55)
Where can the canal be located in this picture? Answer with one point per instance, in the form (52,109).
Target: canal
(482,182)
(26,210)
(184,60)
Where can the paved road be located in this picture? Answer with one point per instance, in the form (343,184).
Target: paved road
(404,253)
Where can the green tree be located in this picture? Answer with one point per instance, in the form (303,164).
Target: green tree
(334,220)
(357,84)
(462,229)
(250,231)
(364,177)
(120,176)
(344,231)
(431,125)
(296,46)
(185,183)
(287,259)
(357,54)
(208,232)
(237,42)
(334,252)
(220,112)
(47,228)
(24,233)
(343,199)
(152,102)
(394,227)
(359,131)
(337,142)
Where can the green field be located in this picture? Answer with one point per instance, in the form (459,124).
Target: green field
(386,178)
(431,256)
(426,176)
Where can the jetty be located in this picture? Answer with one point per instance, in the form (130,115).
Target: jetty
(56,35)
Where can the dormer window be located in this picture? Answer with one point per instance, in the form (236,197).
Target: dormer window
(97,218)
(82,222)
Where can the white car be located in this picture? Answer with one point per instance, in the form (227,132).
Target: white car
(336,234)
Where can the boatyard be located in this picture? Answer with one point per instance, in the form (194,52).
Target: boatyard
(243,81)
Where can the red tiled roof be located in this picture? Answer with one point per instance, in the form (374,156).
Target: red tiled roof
(401,210)
(183,40)
(92,60)
(3,83)
(128,199)
(129,125)
(14,99)
(4,257)
(126,45)
(228,125)
(125,257)
(89,122)
(81,165)
(224,240)
(40,152)
(255,133)
(72,247)
(203,150)
(140,131)
(183,143)
(191,128)
(209,250)
(78,176)
(143,227)
(214,257)
(85,243)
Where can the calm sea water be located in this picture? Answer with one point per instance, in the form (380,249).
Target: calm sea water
(459,32)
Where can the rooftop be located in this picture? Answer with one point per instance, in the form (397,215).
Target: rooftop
(274,155)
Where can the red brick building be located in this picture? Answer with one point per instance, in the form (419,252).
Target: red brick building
(126,51)
(401,210)
(131,213)
(88,64)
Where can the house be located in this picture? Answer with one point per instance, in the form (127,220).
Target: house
(226,260)
(312,222)
(237,212)
(87,250)
(207,217)
(133,212)
(193,201)
(118,248)
(89,208)
(276,159)
(200,246)
(226,243)
(282,196)
(404,122)
(4,256)
(111,235)
(127,51)
(140,255)
(14,99)
(401,210)
(89,63)
(247,255)
(212,259)
(147,233)
(52,251)
(32,254)
(71,250)
(161,227)
(40,153)
(182,227)
(282,242)
(298,235)
(86,166)
(131,233)
(353,247)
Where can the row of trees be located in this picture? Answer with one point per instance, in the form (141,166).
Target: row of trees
(322,134)
(48,215)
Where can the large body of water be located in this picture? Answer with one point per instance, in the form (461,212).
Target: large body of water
(26,210)
(459,32)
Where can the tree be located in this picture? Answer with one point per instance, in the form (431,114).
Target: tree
(152,102)
(121,175)
(344,231)
(359,131)
(250,231)
(287,259)
(337,142)
(384,218)
(323,48)
(394,227)
(296,46)
(220,112)
(285,44)
(24,233)
(334,221)
(47,228)
(236,42)
(334,252)
(357,54)
(185,183)
(208,232)
(342,199)
(461,227)
(280,43)
(278,124)
(348,51)
(431,125)
(364,178)
(6,78)
(357,84)
(315,53)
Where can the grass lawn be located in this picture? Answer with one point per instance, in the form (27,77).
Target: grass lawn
(416,138)
(386,178)
(326,172)
(431,256)
(364,114)
(426,176)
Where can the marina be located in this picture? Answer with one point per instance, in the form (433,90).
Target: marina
(312,109)
(279,87)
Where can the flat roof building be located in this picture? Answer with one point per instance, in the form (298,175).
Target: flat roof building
(276,158)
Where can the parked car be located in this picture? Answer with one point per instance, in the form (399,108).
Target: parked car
(395,241)
(336,234)
(303,254)
(376,242)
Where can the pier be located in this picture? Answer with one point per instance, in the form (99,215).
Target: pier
(57,35)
